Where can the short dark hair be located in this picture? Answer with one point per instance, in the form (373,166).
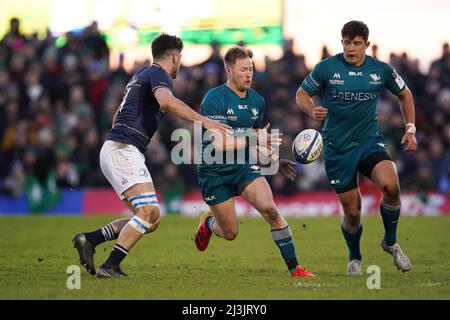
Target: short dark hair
(164,44)
(353,29)
(235,53)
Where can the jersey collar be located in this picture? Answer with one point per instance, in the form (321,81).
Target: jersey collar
(228,88)
(340,56)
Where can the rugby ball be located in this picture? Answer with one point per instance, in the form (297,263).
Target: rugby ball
(307,146)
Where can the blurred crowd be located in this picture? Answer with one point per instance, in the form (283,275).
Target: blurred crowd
(57,100)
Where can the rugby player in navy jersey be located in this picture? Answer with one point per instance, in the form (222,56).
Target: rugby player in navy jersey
(148,96)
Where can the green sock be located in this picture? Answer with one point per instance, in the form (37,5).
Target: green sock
(352,240)
(390,215)
(283,240)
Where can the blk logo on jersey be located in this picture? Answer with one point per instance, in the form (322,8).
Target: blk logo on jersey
(355,74)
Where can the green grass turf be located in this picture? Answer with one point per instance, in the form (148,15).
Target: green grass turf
(36,251)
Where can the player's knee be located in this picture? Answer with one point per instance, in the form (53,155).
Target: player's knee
(270,211)
(351,208)
(353,220)
(391,191)
(149,214)
(154,226)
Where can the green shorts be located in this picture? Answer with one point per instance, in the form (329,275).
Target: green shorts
(342,167)
(219,188)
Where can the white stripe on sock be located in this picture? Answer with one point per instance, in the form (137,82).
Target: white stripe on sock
(105,234)
(120,249)
(110,231)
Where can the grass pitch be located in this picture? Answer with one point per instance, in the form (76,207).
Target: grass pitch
(36,251)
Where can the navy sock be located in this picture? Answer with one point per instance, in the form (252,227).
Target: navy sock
(101,235)
(283,240)
(352,240)
(390,215)
(118,253)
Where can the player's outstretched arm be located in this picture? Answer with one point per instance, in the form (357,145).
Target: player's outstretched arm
(175,106)
(305,102)
(407,108)
(263,139)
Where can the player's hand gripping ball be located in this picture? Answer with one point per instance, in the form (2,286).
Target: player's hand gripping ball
(307,146)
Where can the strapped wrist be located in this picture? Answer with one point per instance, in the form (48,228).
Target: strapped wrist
(411,128)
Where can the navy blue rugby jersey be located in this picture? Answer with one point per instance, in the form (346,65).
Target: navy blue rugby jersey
(139,113)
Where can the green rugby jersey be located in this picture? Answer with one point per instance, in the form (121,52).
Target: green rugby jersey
(350,94)
(242,114)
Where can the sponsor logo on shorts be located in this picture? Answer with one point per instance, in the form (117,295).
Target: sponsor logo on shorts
(143,172)
(124,181)
(335,181)
(210,198)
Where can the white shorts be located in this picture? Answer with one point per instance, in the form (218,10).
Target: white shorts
(123,165)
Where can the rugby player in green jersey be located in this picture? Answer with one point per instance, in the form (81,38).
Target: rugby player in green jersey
(349,86)
(239,106)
